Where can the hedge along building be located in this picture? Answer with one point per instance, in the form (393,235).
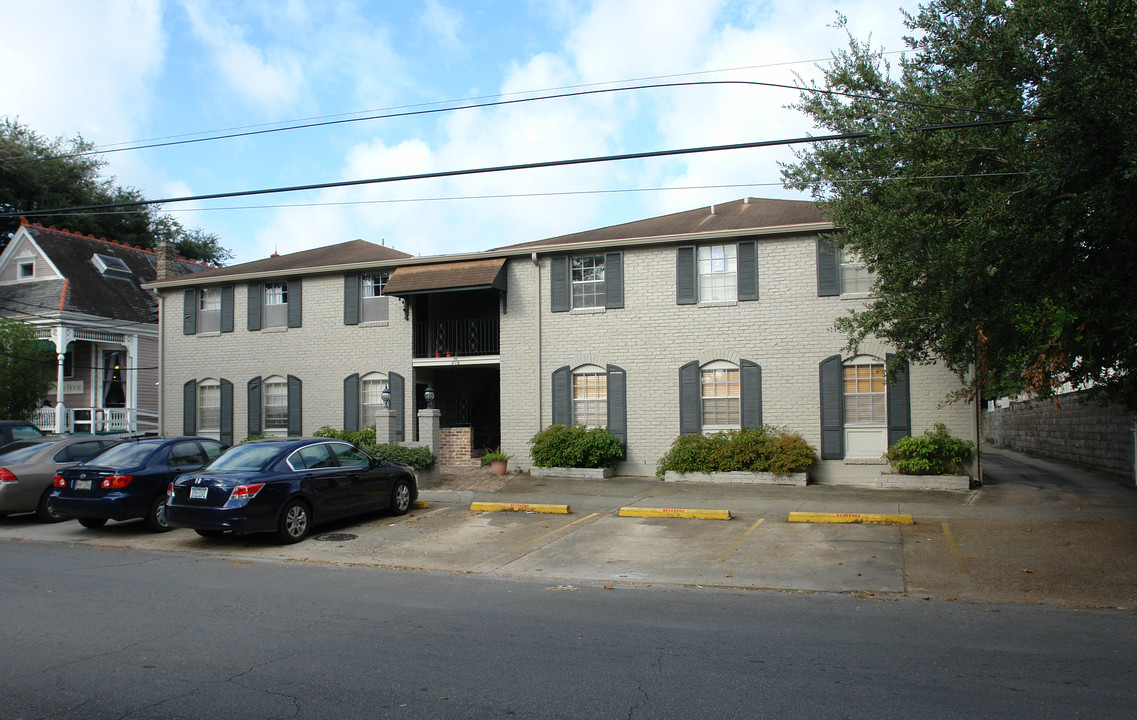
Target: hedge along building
(699,321)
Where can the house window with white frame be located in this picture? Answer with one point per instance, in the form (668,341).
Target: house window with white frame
(720,392)
(371,389)
(209,310)
(855,277)
(590,396)
(718,272)
(276,405)
(373,304)
(588,281)
(864,388)
(276,304)
(25,269)
(208,407)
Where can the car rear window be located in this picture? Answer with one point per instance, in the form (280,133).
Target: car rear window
(23,452)
(126,455)
(23,432)
(245,458)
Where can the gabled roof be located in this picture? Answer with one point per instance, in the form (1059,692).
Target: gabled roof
(83,287)
(345,253)
(727,218)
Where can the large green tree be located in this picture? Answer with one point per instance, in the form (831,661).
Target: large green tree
(37,174)
(24,369)
(1005,250)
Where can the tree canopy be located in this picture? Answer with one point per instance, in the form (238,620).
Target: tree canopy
(38,174)
(23,366)
(1005,251)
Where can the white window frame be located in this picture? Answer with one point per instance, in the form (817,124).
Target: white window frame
(590,396)
(209,310)
(866,435)
(372,284)
(276,293)
(26,269)
(275,414)
(209,407)
(371,388)
(856,279)
(725,412)
(587,277)
(717,272)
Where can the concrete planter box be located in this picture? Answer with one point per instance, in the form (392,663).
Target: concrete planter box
(739,478)
(897,481)
(587,473)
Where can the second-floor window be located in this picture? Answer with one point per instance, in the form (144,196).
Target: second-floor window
(718,272)
(588,281)
(373,305)
(209,310)
(276,304)
(855,277)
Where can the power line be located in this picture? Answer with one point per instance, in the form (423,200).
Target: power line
(510,168)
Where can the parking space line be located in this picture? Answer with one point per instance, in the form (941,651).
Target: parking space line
(745,535)
(552,532)
(960,564)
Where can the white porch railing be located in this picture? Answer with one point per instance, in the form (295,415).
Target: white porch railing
(89,421)
(44,419)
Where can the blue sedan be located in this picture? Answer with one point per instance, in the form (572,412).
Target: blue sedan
(129,480)
(286,486)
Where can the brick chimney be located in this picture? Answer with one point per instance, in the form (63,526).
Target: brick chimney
(166,254)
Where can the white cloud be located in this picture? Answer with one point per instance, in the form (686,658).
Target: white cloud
(444,23)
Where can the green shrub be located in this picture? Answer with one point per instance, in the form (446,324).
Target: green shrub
(575,446)
(935,452)
(764,449)
(420,458)
(363,438)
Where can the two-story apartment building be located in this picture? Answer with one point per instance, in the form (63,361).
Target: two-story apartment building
(84,295)
(698,321)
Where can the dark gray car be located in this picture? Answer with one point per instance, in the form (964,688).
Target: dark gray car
(13,430)
(27,468)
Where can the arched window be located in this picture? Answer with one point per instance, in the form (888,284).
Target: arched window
(275,405)
(371,387)
(208,407)
(590,396)
(720,396)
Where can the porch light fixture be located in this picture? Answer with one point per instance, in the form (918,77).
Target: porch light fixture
(385,395)
(428,395)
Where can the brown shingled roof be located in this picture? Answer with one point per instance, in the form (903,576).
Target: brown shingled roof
(748,214)
(464,275)
(346,253)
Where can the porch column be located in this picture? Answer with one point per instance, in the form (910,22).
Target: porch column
(131,365)
(60,409)
(429,429)
(385,426)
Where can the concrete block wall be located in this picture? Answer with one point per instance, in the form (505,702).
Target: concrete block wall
(787,332)
(322,352)
(1074,432)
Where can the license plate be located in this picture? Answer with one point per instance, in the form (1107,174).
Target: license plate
(82,484)
(198,493)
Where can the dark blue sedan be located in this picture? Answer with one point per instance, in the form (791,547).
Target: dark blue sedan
(286,486)
(129,480)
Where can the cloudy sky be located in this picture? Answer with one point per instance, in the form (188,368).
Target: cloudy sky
(124,71)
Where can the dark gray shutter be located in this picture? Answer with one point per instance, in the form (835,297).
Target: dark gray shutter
(828,270)
(351,403)
(189,312)
(747,270)
(899,401)
(397,386)
(189,408)
(559,284)
(690,399)
(618,405)
(254,427)
(832,410)
(614,280)
(295,406)
(750,388)
(562,396)
(294,312)
(351,299)
(226,308)
(226,412)
(686,276)
(256,301)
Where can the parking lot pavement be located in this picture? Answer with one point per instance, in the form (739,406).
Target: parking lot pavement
(1025,537)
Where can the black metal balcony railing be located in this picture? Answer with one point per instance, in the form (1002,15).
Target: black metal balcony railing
(457,338)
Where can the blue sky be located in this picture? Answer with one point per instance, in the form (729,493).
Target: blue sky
(118,71)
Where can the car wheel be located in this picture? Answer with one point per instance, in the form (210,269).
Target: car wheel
(295,522)
(209,533)
(156,518)
(92,523)
(401,498)
(45,513)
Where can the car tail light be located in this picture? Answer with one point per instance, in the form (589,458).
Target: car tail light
(170,491)
(6,476)
(58,481)
(114,482)
(245,492)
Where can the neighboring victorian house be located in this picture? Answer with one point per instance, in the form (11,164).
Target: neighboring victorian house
(699,321)
(84,295)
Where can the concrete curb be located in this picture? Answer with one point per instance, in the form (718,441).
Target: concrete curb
(519,507)
(674,513)
(823,517)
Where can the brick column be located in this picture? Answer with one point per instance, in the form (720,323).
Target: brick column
(385,427)
(429,429)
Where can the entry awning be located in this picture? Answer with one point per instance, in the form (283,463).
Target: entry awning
(447,277)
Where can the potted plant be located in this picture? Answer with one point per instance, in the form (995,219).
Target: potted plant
(497,460)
